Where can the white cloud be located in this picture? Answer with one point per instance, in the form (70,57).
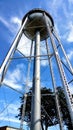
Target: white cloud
(29,84)
(70,54)
(57,30)
(56,3)
(16,74)
(66,31)
(9,109)
(10,119)
(15,78)
(13,24)
(43,49)
(70,32)
(10,84)
(71,88)
(44,59)
(9,112)
(16,20)
(13,108)
(54,8)
(4,22)
(24,46)
(44,63)
(70,1)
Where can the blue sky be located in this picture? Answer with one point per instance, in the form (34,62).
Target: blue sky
(11,14)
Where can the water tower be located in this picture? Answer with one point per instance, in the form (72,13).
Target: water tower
(38,25)
(36,30)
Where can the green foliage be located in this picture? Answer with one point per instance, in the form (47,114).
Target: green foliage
(48,108)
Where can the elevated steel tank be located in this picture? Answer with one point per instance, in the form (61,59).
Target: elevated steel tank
(36,22)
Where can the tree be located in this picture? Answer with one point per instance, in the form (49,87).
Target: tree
(48,108)
(48,111)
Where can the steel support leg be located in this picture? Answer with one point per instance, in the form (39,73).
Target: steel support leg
(12,49)
(25,95)
(66,57)
(36,102)
(54,87)
(61,70)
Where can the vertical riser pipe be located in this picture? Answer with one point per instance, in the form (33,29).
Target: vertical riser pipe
(36,100)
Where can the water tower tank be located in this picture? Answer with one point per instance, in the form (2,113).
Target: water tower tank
(36,22)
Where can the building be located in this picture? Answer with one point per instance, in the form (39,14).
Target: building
(8,128)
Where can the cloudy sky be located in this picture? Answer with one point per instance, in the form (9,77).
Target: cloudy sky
(11,14)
